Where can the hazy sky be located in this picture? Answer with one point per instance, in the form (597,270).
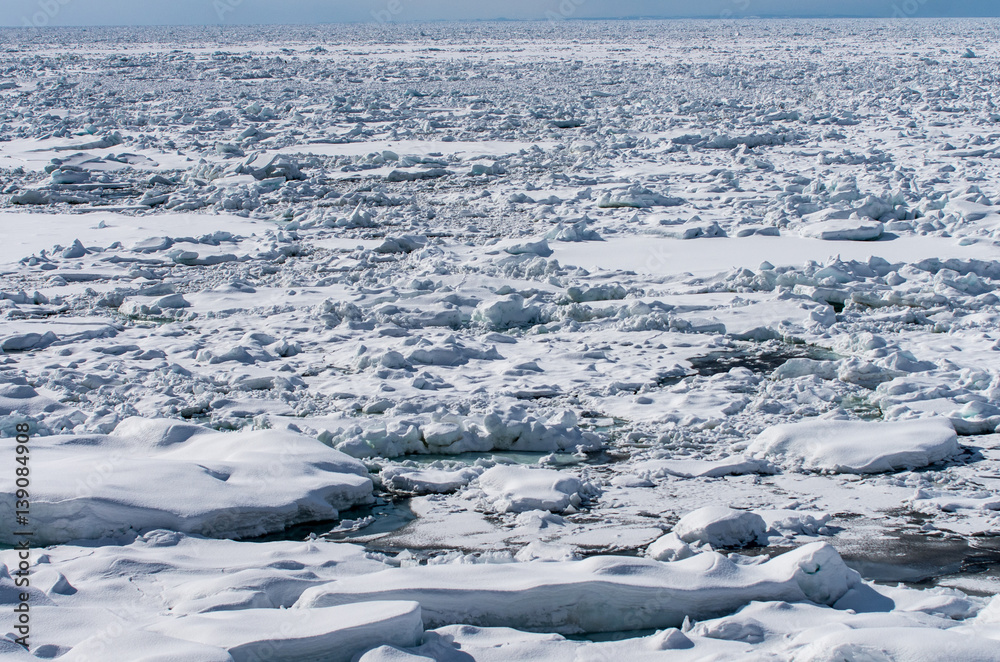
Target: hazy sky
(145,12)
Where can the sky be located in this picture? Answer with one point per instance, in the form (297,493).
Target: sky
(41,13)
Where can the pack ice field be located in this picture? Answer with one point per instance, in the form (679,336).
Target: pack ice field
(559,340)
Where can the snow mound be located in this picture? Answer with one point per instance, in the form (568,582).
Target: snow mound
(844,229)
(857,446)
(333,634)
(670,547)
(214,484)
(518,489)
(721,527)
(17,396)
(599,594)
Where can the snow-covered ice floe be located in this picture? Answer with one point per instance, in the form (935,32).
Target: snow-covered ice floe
(518,490)
(857,446)
(601,594)
(226,600)
(851,229)
(154,474)
(720,527)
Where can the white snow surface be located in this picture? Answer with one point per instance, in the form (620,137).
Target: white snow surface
(441,341)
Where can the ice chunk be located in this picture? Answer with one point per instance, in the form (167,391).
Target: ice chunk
(506,313)
(262,168)
(173,301)
(857,446)
(575,232)
(540,248)
(74,251)
(427,481)
(737,465)
(721,527)
(725,141)
(30,197)
(403,244)
(19,342)
(797,522)
(637,197)
(153,244)
(237,353)
(793,368)
(693,229)
(598,594)
(596,293)
(415,175)
(518,489)
(450,355)
(844,229)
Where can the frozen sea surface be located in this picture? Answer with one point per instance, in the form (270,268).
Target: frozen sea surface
(631,340)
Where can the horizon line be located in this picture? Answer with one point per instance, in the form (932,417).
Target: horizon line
(574,19)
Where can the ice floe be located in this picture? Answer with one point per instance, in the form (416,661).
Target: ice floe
(98,486)
(856,446)
(601,594)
